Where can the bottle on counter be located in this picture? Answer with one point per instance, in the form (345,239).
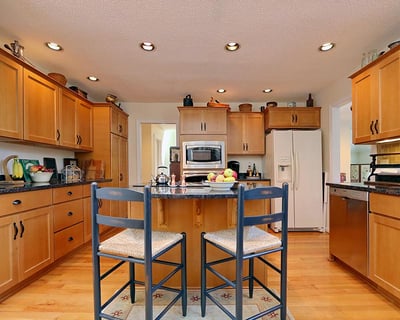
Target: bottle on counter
(254,170)
(249,170)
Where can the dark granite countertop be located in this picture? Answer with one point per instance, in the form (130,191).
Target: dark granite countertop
(363,187)
(40,186)
(194,192)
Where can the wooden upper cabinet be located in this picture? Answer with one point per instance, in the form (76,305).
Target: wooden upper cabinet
(119,122)
(246,133)
(66,120)
(11,102)
(202,120)
(75,128)
(40,109)
(292,118)
(84,125)
(376,99)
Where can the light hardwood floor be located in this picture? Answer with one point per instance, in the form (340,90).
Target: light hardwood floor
(317,288)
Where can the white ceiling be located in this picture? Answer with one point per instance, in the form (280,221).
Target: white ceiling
(279,41)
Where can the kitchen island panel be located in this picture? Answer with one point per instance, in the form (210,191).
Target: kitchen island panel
(194,216)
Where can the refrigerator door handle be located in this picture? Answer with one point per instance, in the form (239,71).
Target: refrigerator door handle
(296,171)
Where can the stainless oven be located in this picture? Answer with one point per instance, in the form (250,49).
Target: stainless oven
(201,155)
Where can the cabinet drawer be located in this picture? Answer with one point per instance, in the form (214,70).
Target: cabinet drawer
(67,194)
(385,204)
(67,214)
(67,240)
(23,201)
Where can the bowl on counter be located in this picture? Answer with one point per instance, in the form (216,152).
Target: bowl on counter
(221,186)
(41,176)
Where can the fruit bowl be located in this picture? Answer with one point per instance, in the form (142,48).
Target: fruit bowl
(221,185)
(41,176)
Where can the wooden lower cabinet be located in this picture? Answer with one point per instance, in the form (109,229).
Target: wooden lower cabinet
(384,239)
(194,216)
(68,219)
(25,237)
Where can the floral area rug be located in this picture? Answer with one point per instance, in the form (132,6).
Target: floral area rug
(122,308)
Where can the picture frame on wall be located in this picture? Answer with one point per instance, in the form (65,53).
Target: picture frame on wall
(174,154)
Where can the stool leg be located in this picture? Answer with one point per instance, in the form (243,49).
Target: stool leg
(203,276)
(239,288)
(251,277)
(97,287)
(132,281)
(184,275)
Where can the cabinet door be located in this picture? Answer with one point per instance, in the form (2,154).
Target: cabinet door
(278,118)
(66,119)
(389,97)
(215,121)
(307,118)
(119,171)
(40,109)
(84,125)
(235,133)
(384,252)
(11,111)
(35,241)
(119,122)
(254,133)
(8,253)
(363,100)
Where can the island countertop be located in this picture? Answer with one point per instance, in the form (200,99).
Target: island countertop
(193,191)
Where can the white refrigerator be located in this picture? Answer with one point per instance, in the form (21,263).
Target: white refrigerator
(295,156)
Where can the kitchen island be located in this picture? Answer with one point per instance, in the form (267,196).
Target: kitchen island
(194,210)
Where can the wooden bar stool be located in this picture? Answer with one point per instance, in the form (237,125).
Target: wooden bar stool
(136,244)
(248,242)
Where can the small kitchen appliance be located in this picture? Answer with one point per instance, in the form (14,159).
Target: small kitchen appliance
(202,155)
(234,165)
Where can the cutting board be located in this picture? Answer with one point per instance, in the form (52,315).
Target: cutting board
(94,169)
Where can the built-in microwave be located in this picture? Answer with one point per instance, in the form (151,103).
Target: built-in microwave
(203,155)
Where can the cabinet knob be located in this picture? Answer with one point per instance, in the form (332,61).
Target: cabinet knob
(70,239)
(70,213)
(69,193)
(16,202)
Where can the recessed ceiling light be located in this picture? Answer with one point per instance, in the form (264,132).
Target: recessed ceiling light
(221,90)
(267,90)
(232,46)
(92,78)
(147,46)
(326,46)
(54,46)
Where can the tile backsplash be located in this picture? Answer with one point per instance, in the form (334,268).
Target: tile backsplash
(392,147)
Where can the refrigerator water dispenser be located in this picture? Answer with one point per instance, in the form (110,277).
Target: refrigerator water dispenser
(284,173)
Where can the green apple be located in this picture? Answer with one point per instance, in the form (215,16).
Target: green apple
(228,172)
(211,176)
(220,178)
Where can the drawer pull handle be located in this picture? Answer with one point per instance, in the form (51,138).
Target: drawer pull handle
(15,231)
(16,202)
(22,229)
(69,193)
(70,213)
(70,239)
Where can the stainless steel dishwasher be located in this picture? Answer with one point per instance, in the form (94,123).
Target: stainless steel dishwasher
(348,227)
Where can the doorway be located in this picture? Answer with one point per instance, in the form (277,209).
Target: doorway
(344,154)
(156,140)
